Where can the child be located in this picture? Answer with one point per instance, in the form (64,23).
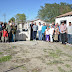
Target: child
(5,35)
(47,34)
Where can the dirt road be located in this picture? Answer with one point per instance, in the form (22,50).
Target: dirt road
(35,56)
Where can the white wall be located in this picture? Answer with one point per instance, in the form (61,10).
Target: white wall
(37,22)
(68,19)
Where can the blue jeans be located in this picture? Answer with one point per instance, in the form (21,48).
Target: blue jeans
(34,34)
(40,35)
(69,36)
(43,36)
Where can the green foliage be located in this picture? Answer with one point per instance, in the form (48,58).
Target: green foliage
(5,58)
(50,11)
(1,53)
(12,19)
(20,17)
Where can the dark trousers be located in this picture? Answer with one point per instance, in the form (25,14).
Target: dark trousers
(34,34)
(0,35)
(43,36)
(59,37)
(63,38)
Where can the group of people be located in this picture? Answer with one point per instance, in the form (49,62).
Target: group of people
(52,32)
(7,32)
(49,32)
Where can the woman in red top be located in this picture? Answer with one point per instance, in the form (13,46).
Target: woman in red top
(5,35)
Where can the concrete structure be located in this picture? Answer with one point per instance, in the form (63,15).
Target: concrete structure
(67,17)
(23,30)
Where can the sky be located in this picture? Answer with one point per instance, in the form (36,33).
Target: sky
(29,7)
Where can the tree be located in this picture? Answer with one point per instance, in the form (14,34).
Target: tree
(50,11)
(12,19)
(20,18)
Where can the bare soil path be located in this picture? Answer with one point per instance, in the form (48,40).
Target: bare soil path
(35,56)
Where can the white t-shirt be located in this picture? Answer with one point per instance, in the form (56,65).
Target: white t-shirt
(39,27)
(51,31)
(47,32)
(69,29)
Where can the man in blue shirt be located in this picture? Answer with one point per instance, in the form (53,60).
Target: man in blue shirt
(43,31)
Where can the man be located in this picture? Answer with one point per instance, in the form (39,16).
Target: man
(63,31)
(0,31)
(13,32)
(31,30)
(8,28)
(40,31)
(43,31)
(69,33)
(35,28)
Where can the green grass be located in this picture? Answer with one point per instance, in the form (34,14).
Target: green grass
(5,58)
(1,53)
(54,62)
(67,65)
(45,50)
(61,70)
(24,67)
(55,54)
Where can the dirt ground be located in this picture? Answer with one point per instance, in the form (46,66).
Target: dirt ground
(36,56)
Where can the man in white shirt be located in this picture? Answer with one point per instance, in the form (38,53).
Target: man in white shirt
(69,33)
(51,31)
(40,31)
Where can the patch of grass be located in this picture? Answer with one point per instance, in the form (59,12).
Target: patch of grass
(55,54)
(24,67)
(67,65)
(5,58)
(70,71)
(51,70)
(45,50)
(13,46)
(54,62)
(58,51)
(61,70)
(1,53)
(67,55)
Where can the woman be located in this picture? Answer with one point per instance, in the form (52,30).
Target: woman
(51,31)
(56,33)
(47,34)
